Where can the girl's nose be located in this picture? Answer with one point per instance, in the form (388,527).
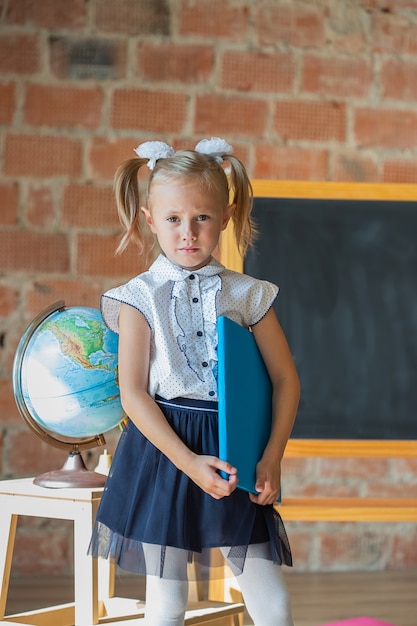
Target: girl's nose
(188,232)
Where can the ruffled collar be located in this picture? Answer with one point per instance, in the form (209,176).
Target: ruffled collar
(164,269)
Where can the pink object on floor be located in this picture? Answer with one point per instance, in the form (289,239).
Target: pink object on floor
(360,621)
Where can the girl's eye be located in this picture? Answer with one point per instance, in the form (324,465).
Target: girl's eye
(172,218)
(202,218)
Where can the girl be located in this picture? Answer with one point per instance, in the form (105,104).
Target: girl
(165,501)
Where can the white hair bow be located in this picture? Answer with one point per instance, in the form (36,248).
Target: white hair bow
(154,150)
(215,147)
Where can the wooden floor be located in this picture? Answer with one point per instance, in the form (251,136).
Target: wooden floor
(317,598)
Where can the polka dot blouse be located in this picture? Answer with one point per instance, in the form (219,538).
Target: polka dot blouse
(181,308)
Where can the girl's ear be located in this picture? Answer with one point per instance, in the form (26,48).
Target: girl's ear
(148,217)
(228,214)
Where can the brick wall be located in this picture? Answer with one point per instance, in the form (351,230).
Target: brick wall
(311,90)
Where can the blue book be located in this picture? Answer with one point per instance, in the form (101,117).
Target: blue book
(245,401)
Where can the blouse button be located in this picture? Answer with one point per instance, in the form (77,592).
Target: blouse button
(211,393)
(191,277)
(204,364)
(199,333)
(195,299)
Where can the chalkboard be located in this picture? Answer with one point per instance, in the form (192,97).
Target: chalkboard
(347,272)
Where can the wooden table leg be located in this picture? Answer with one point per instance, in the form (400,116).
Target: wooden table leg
(8,523)
(85,568)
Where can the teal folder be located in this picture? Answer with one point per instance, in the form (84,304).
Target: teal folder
(245,401)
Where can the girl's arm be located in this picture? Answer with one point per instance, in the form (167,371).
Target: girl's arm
(134,349)
(276,354)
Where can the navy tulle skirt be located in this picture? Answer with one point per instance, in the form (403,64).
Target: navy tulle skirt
(150,510)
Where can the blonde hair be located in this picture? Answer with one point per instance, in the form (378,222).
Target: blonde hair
(232,189)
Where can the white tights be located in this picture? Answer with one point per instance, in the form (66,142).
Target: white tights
(261,582)
(265,593)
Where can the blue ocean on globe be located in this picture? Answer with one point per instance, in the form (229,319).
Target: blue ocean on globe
(69,374)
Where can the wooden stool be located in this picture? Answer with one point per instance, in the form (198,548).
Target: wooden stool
(93,604)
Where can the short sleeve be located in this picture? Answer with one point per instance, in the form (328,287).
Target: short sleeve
(260,299)
(244,299)
(134,293)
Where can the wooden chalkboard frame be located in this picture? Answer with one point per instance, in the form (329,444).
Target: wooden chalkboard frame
(230,257)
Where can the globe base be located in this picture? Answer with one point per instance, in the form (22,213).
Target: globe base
(73,474)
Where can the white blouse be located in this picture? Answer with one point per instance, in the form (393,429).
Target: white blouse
(181,308)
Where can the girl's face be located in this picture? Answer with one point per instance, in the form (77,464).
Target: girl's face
(187,220)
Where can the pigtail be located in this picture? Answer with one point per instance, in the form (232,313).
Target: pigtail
(242,197)
(126,190)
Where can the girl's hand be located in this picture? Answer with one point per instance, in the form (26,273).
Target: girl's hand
(268,482)
(278,360)
(204,471)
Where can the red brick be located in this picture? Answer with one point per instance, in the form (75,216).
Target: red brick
(153,111)
(43,292)
(337,468)
(300,468)
(290,163)
(214,18)
(26,251)
(404,549)
(8,409)
(354,167)
(47,105)
(310,121)
(369,5)
(405,468)
(106,155)
(48,547)
(347,77)
(130,17)
(224,115)
(39,206)
(43,456)
(13,333)
(299,26)
(302,541)
(89,206)
(399,80)
(271,72)
(344,548)
(351,42)
(96,59)
(9,299)
(391,489)
(19,53)
(175,62)
(96,257)
(386,128)
(9,198)
(389,6)
(396,171)
(393,34)
(347,28)
(7,102)
(48,13)
(321,490)
(42,155)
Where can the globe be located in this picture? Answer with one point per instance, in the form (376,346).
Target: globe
(65,382)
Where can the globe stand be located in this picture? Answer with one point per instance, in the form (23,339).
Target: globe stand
(72,474)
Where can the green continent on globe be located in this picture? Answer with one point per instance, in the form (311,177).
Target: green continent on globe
(77,342)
